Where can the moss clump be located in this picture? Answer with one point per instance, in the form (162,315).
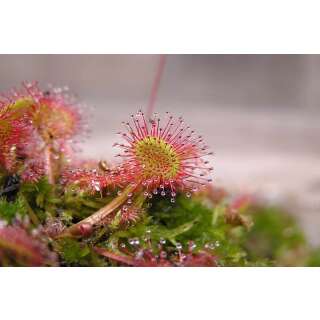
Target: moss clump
(272,238)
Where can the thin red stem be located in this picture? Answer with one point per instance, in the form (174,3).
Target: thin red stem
(155,86)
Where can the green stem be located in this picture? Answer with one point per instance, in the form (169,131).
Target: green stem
(49,163)
(33,217)
(98,217)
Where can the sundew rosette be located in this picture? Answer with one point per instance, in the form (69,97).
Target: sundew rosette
(156,159)
(56,117)
(54,121)
(15,130)
(164,158)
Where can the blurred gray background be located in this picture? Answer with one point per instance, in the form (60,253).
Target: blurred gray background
(259,113)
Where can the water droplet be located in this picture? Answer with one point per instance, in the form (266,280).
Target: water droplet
(217,243)
(179,246)
(134,241)
(122,245)
(130,195)
(155,191)
(188,194)
(163,193)
(209,245)
(192,245)
(173,200)
(173,194)
(119,192)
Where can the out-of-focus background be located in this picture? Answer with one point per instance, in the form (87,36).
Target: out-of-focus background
(259,113)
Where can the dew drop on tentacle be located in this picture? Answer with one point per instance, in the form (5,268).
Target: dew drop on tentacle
(131,241)
(147,237)
(192,246)
(209,245)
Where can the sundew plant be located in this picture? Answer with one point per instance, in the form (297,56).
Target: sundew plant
(155,205)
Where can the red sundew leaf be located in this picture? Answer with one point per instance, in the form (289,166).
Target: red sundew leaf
(55,118)
(21,248)
(32,121)
(200,259)
(88,180)
(15,131)
(214,194)
(126,260)
(142,257)
(130,214)
(90,176)
(53,113)
(242,202)
(163,159)
(33,171)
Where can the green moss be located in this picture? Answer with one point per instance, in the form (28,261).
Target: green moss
(275,236)
(9,210)
(274,239)
(77,253)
